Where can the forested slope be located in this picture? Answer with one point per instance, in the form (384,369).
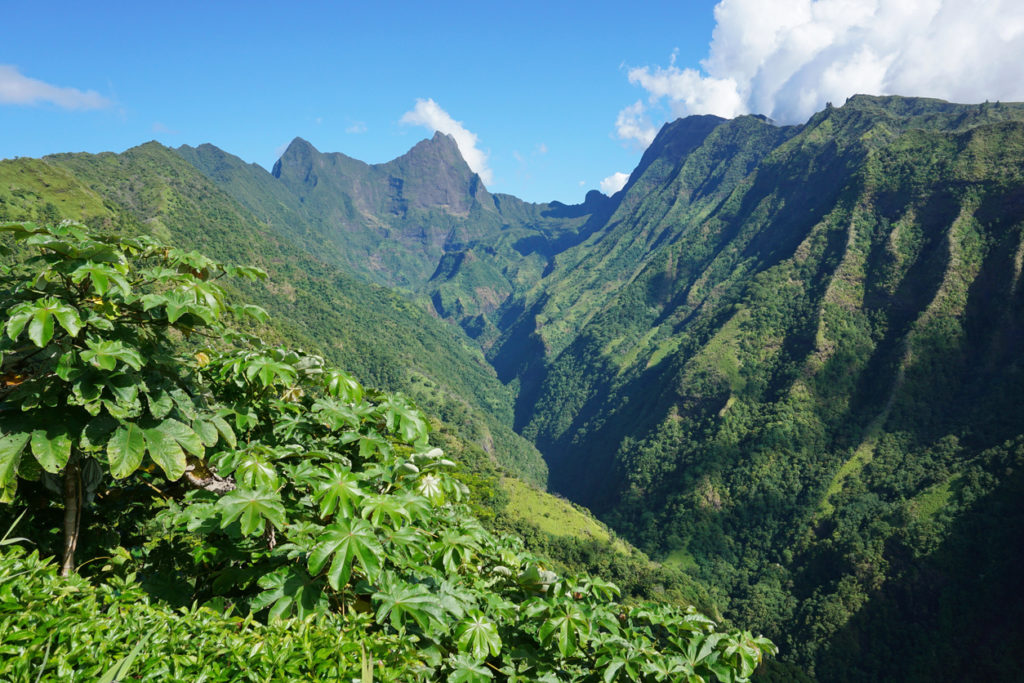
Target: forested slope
(790,361)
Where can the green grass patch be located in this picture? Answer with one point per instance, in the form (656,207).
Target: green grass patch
(851,468)
(929,502)
(680,559)
(554,515)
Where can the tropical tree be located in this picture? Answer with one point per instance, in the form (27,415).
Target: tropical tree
(96,376)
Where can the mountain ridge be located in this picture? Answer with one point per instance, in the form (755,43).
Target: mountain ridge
(781,357)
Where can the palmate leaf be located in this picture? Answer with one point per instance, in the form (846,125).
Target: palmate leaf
(567,625)
(378,506)
(269,371)
(254,471)
(478,636)
(344,542)
(105,354)
(399,602)
(100,276)
(467,670)
(289,590)
(251,507)
(40,316)
(338,491)
(343,386)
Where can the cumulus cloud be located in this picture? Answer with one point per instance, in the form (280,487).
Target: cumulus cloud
(634,124)
(18,89)
(614,183)
(787,58)
(429,114)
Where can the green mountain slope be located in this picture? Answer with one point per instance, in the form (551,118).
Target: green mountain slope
(791,355)
(383,338)
(423,222)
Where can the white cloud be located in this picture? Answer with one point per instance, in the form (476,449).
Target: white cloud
(614,183)
(787,58)
(633,124)
(357,128)
(160,127)
(427,113)
(542,148)
(18,89)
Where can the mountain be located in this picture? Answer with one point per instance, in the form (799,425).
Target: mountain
(782,358)
(423,222)
(790,361)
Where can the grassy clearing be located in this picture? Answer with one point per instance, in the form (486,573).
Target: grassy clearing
(556,516)
(929,502)
(680,559)
(851,468)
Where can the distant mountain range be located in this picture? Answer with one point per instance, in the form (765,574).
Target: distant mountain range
(785,359)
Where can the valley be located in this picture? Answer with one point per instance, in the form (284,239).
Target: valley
(783,361)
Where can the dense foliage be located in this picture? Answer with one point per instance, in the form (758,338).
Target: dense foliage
(286,493)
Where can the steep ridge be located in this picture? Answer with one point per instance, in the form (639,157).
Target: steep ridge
(423,222)
(787,359)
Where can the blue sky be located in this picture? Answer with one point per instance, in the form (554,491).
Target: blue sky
(547,100)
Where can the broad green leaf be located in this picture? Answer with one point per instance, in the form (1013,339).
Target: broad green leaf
(97,432)
(466,670)
(253,471)
(104,354)
(51,448)
(251,507)
(125,388)
(207,431)
(160,403)
(18,317)
(68,319)
(165,452)
(40,327)
(343,386)
(184,435)
(290,589)
(225,430)
(125,450)
(399,601)
(11,446)
(345,541)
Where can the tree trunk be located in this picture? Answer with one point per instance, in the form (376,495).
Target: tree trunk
(72,513)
